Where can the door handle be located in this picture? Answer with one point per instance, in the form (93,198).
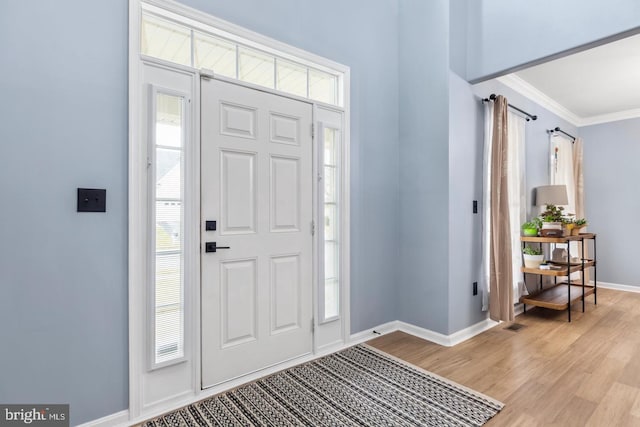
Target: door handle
(212,247)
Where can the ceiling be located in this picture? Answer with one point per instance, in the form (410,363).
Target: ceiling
(593,86)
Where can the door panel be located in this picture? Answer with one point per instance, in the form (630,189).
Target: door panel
(256,182)
(238,121)
(238,184)
(285,293)
(285,130)
(238,302)
(285,194)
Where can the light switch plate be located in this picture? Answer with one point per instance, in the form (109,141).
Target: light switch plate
(92,200)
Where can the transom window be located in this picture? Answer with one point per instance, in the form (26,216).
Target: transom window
(194,47)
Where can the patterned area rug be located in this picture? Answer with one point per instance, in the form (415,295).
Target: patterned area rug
(359,386)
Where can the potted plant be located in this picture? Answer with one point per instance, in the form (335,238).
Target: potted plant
(530,228)
(577,225)
(532,257)
(552,219)
(567,226)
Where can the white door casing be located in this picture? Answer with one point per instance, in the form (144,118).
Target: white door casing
(256,183)
(152,392)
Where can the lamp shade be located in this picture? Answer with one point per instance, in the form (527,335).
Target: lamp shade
(551,195)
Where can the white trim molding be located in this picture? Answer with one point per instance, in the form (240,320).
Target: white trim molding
(136,218)
(118,419)
(371,333)
(611,117)
(532,93)
(528,91)
(426,334)
(617,287)
(448,340)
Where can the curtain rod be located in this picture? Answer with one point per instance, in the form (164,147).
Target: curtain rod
(493,97)
(557,129)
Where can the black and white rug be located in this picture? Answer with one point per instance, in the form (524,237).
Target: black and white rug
(359,386)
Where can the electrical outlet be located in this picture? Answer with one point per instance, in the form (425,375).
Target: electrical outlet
(475,288)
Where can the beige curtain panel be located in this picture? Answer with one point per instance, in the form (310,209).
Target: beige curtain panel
(500,268)
(578,177)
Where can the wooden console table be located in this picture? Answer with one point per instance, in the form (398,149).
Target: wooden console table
(563,293)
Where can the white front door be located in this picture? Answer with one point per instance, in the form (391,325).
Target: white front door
(256,184)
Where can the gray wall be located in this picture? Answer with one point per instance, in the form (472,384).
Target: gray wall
(466,128)
(63,274)
(424,150)
(611,177)
(504,34)
(459,26)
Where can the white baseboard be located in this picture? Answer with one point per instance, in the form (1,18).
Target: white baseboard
(617,287)
(371,333)
(117,419)
(447,340)
(471,331)
(122,418)
(427,334)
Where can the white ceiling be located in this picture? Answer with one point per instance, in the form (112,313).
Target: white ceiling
(593,86)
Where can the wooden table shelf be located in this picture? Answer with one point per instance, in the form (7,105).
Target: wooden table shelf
(560,272)
(560,295)
(561,239)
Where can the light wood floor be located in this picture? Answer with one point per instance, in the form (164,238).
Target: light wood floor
(551,372)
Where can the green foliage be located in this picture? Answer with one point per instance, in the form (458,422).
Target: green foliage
(538,222)
(553,213)
(528,250)
(534,223)
(580,222)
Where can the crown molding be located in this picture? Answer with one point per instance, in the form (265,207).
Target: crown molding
(527,90)
(611,117)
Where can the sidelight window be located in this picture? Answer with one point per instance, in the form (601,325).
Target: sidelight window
(331,224)
(331,210)
(166,167)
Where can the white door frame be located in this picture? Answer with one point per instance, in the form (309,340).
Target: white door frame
(138,219)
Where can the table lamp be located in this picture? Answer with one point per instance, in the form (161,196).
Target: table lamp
(551,195)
